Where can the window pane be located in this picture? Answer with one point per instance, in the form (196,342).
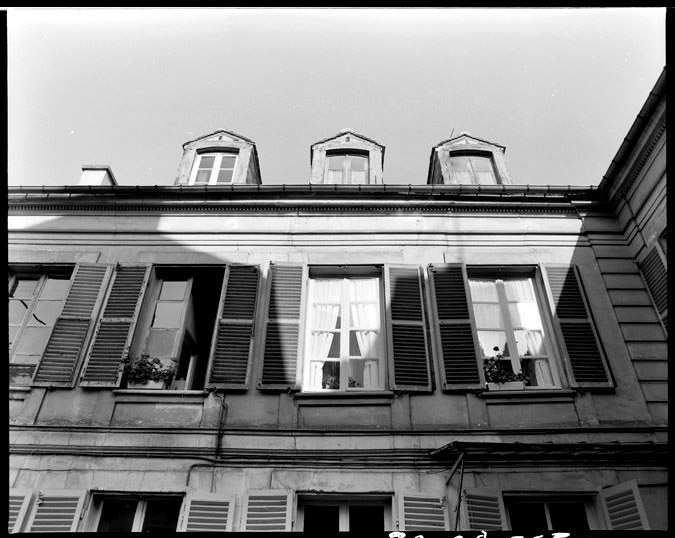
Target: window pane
(55,288)
(161,342)
(33,340)
(538,372)
(168,314)
(528,517)
(173,290)
(488,340)
(336,162)
(334,177)
(462,169)
(25,288)
(161,515)
(363,343)
(530,343)
(520,290)
(45,313)
(224,176)
(358,163)
(117,515)
(321,519)
(488,316)
(570,516)
(366,519)
(227,162)
(330,375)
(17,311)
(484,170)
(206,162)
(365,315)
(525,315)
(203,176)
(483,290)
(358,178)
(364,373)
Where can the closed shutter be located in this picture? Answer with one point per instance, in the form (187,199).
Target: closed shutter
(418,512)
(71,329)
(287,284)
(578,333)
(407,335)
(56,511)
(454,327)
(623,507)
(656,276)
(207,512)
(115,328)
(483,510)
(268,511)
(231,346)
(19,500)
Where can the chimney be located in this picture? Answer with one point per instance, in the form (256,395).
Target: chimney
(97,174)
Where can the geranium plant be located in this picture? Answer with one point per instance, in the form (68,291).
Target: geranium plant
(496,371)
(146,368)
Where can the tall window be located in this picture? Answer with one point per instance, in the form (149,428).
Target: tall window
(509,322)
(214,168)
(131,513)
(319,515)
(35,301)
(535,515)
(344,344)
(473,169)
(346,169)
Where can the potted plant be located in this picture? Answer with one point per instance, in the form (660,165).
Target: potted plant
(149,372)
(499,377)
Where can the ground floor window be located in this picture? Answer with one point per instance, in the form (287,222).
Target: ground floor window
(327,514)
(129,513)
(526,515)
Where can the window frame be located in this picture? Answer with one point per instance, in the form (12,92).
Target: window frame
(588,499)
(344,502)
(98,499)
(347,168)
(473,153)
(218,155)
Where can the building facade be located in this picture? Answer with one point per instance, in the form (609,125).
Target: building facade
(220,354)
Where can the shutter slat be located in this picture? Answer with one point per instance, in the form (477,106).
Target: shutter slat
(623,507)
(484,510)
(208,516)
(56,512)
(656,276)
(424,513)
(18,505)
(267,513)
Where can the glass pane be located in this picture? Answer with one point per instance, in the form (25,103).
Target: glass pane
(363,343)
(520,290)
(358,163)
(488,340)
(173,290)
(117,515)
(227,162)
(484,170)
(55,288)
(483,290)
(25,288)
(224,176)
(570,516)
(530,343)
(366,519)
(161,515)
(330,378)
(336,162)
(320,519)
(538,372)
(33,341)
(334,350)
(168,314)
(325,316)
(365,315)
(528,517)
(525,315)
(17,310)
(488,316)
(364,373)
(203,176)
(462,169)
(45,313)
(358,178)
(334,177)
(161,342)
(206,162)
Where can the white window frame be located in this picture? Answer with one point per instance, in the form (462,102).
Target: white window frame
(551,356)
(468,153)
(141,507)
(215,169)
(347,168)
(344,331)
(344,502)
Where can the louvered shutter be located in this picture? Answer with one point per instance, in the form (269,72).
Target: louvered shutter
(71,329)
(656,277)
(407,336)
(56,511)
(231,346)
(268,511)
(419,512)
(19,500)
(483,510)
(287,284)
(623,507)
(578,333)
(115,328)
(207,512)
(454,327)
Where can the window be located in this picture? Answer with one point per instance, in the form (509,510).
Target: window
(509,322)
(133,513)
(473,169)
(325,514)
(35,301)
(536,515)
(346,168)
(213,168)
(344,347)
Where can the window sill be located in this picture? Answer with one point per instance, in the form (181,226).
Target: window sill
(528,396)
(166,396)
(331,399)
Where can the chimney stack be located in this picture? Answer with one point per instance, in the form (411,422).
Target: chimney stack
(97,175)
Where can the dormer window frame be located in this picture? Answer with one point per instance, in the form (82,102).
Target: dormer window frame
(218,153)
(486,154)
(346,153)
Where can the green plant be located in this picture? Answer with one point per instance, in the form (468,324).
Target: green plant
(496,371)
(146,368)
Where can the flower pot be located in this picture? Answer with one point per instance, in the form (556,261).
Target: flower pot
(508,385)
(152,385)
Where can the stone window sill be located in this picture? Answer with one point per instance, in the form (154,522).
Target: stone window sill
(163,396)
(333,399)
(528,396)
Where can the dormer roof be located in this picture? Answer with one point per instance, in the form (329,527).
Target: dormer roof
(341,137)
(221,135)
(468,139)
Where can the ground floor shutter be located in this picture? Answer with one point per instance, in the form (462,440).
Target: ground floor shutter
(483,510)
(623,507)
(56,511)
(19,500)
(207,512)
(268,511)
(419,512)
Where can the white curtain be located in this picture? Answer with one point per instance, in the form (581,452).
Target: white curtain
(365,315)
(325,299)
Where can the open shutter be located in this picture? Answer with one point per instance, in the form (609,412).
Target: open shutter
(454,327)
(19,500)
(71,329)
(268,511)
(287,285)
(115,328)
(419,512)
(623,507)
(207,512)
(407,335)
(56,511)
(231,346)
(578,333)
(656,277)
(483,510)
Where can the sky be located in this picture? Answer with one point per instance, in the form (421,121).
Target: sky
(127,88)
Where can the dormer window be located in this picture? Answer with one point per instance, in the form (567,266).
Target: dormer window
(473,169)
(213,168)
(346,168)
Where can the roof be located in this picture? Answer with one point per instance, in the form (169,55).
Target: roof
(469,135)
(219,131)
(348,131)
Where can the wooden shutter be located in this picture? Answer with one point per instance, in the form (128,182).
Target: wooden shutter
(268,511)
(71,329)
(656,277)
(115,328)
(407,336)
(56,511)
(231,346)
(287,285)
(578,333)
(454,327)
(207,512)
(19,500)
(419,512)
(483,510)
(623,508)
